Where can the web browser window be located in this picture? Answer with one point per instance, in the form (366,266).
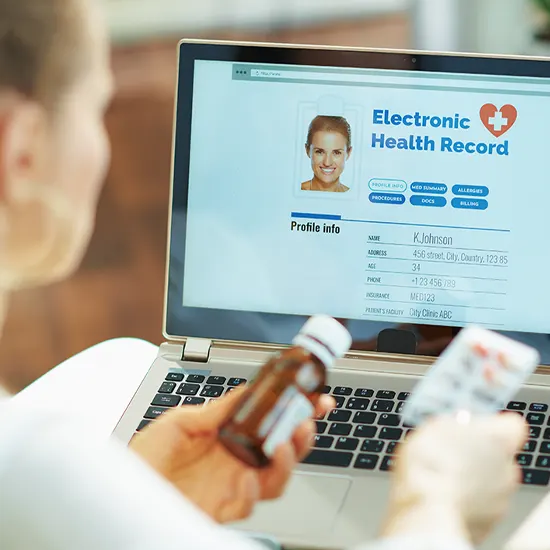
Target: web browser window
(369,194)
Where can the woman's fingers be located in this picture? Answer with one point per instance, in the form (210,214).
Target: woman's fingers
(246,494)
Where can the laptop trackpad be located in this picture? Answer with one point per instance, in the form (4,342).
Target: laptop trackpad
(309,506)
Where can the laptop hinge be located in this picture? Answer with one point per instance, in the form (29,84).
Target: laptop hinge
(197,350)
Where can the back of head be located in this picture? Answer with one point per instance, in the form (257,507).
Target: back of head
(40,47)
(54,87)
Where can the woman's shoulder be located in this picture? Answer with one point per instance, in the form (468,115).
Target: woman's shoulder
(306,185)
(342,188)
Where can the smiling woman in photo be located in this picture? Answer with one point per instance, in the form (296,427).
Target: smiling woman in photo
(328,146)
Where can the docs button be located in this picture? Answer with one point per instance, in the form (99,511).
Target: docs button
(428,200)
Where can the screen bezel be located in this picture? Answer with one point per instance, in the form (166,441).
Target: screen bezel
(300,55)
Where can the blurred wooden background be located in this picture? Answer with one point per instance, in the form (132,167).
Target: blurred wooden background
(118,290)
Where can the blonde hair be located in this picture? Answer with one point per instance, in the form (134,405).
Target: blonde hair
(326,123)
(41,47)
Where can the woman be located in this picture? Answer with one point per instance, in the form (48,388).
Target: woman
(328,146)
(60,488)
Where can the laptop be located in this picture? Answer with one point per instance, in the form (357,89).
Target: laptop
(403,193)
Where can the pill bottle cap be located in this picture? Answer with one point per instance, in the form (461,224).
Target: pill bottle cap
(325,338)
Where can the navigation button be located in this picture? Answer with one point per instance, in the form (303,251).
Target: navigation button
(470,190)
(427,200)
(470,204)
(387,198)
(427,187)
(382,184)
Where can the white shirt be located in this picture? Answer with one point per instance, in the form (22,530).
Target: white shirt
(61,489)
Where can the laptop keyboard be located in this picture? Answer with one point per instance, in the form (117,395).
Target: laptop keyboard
(364,430)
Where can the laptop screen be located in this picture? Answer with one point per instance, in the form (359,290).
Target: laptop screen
(386,197)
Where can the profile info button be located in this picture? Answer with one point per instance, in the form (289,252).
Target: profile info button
(426,200)
(470,204)
(387,198)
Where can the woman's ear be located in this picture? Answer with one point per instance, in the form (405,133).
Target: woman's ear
(22,130)
(308,150)
(350,149)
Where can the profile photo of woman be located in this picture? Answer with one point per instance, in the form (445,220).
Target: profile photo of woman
(328,146)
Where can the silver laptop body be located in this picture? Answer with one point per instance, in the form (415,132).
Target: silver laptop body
(254,248)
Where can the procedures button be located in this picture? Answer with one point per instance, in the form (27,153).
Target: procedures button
(387,198)
(470,204)
(425,200)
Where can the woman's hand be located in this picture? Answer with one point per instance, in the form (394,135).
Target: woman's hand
(455,480)
(183,447)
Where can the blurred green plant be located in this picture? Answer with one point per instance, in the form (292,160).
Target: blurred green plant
(544,6)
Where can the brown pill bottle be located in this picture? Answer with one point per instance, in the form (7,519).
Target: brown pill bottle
(284,393)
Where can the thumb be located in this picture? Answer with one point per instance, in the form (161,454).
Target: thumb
(510,429)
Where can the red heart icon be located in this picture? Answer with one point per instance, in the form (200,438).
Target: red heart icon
(498,121)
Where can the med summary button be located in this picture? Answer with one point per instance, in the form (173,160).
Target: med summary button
(387,198)
(426,200)
(470,204)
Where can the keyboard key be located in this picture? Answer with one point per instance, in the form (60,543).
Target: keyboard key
(347,443)
(400,407)
(365,431)
(339,429)
(188,389)
(372,446)
(342,390)
(195,378)
(191,400)
(546,433)
(529,446)
(167,387)
(391,447)
(404,395)
(363,392)
(516,406)
(543,462)
(154,412)
(142,425)
(387,463)
(357,404)
(162,400)
(382,405)
(538,407)
(329,458)
(339,415)
(366,462)
(391,433)
(219,380)
(174,376)
(212,391)
(536,419)
(323,441)
(321,427)
(535,477)
(236,381)
(364,418)
(385,394)
(389,420)
(326,389)
(545,448)
(524,459)
(339,401)
(534,432)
